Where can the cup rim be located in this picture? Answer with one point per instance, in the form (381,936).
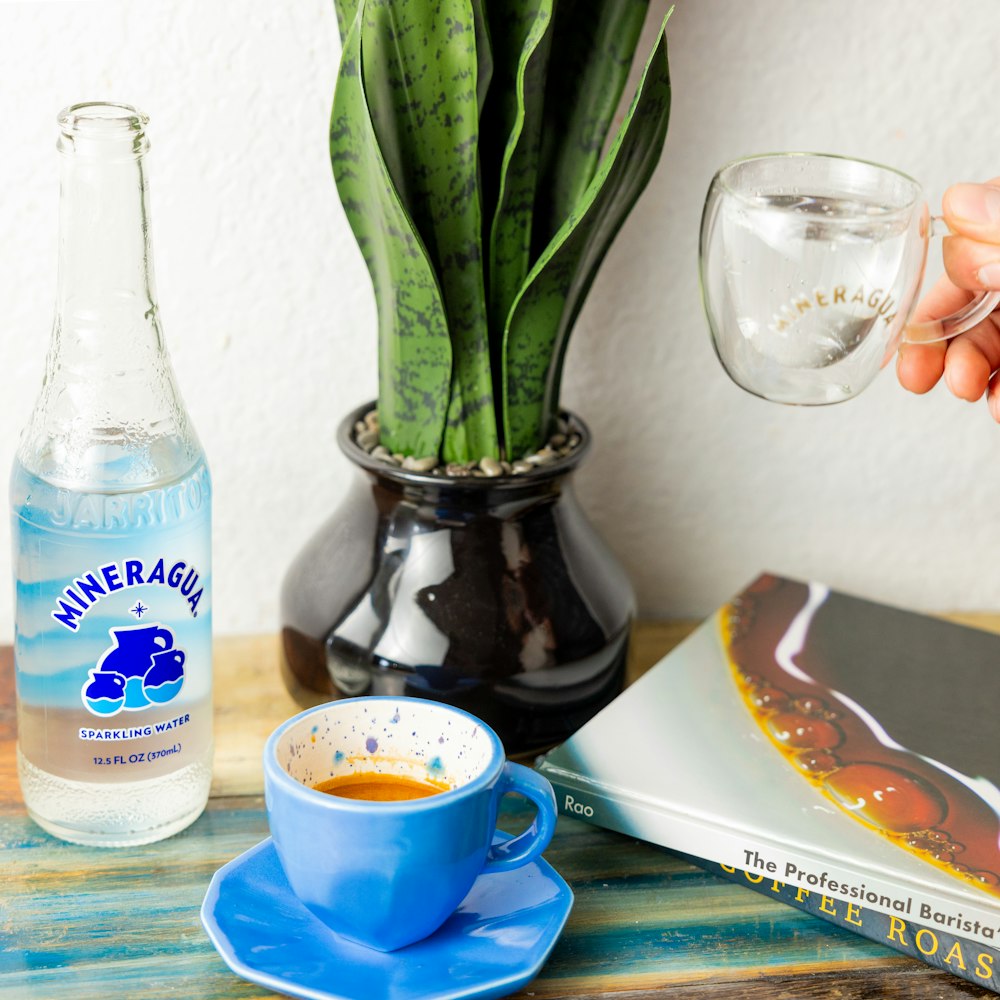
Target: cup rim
(720,179)
(277,774)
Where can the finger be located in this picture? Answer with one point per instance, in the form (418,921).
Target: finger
(993,397)
(919,366)
(971,359)
(973,210)
(972,264)
(944,298)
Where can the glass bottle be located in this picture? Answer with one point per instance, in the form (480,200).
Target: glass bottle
(111,501)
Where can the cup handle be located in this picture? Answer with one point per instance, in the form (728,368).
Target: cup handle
(957,322)
(526,846)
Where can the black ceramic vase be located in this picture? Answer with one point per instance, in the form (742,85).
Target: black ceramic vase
(493,595)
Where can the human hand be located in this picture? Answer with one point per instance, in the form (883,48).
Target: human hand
(969,362)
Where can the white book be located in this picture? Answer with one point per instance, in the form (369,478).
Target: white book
(818,740)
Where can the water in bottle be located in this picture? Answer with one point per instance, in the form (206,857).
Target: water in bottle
(111,515)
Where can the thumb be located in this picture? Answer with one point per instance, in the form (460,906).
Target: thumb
(973,210)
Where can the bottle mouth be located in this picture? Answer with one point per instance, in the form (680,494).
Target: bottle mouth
(100,123)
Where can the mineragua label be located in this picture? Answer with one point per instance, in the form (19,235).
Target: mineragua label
(113,630)
(86,590)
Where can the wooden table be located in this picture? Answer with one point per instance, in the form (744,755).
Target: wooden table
(100,924)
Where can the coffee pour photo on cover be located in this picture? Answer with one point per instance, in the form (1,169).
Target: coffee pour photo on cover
(110,499)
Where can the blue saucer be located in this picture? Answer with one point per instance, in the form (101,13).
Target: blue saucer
(494,943)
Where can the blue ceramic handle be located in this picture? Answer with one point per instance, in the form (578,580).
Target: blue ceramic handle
(525,847)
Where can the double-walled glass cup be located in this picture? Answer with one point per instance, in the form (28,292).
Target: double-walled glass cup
(810,268)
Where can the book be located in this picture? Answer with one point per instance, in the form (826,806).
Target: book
(823,743)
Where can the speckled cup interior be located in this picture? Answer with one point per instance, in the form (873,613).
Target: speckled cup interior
(414,738)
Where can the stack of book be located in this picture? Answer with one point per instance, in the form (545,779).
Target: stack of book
(840,755)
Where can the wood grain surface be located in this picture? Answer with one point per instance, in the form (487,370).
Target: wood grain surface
(95,924)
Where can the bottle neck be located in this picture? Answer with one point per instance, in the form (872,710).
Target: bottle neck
(109,413)
(105,299)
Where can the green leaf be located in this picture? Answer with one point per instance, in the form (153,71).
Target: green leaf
(484,53)
(421,72)
(414,348)
(347,12)
(592,50)
(543,315)
(522,40)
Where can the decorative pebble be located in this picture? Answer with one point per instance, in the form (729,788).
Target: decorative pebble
(541,457)
(424,464)
(367,439)
(562,443)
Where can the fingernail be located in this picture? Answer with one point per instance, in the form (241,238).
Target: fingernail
(989,275)
(974,203)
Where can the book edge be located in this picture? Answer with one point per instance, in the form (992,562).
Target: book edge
(933,947)
(614,809)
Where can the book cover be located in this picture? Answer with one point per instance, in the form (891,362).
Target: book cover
(821,741)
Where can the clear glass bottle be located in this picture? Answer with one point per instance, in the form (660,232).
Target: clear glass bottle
(111,512)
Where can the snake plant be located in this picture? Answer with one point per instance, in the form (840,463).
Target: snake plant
(466,141)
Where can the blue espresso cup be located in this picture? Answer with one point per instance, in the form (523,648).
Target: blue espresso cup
(386,874)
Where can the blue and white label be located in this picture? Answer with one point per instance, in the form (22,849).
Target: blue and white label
(113,626)
(142,667)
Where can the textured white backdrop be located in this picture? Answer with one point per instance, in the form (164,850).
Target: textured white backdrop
(269,315)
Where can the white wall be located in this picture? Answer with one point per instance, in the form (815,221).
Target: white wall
(270,320)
